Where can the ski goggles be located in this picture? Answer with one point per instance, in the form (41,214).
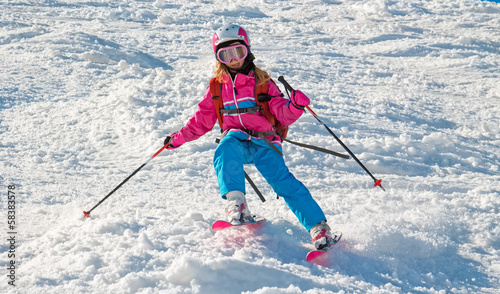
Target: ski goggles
(237,52)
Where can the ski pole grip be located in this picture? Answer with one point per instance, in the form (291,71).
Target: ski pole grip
(285,83)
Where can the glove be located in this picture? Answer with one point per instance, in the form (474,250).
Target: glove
(299,99)
(168,142)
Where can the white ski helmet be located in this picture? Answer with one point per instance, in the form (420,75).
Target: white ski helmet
(229,32)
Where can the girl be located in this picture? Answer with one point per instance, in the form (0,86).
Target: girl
(248,136)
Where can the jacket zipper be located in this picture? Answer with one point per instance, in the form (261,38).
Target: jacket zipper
(235,100)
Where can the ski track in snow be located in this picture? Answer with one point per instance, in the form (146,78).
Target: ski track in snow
(89,90)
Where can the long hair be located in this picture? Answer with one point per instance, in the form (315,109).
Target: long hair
(222,73)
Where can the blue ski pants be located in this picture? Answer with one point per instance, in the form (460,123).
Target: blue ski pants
(232,153)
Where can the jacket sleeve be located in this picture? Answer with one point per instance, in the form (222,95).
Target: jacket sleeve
(281,107)
(201,123)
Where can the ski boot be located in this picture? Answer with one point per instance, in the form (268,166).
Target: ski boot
(321,236)
(237,209)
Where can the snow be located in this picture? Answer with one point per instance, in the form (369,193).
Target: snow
(89,90)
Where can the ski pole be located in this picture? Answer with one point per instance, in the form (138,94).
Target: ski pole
(378,182)
(87,213)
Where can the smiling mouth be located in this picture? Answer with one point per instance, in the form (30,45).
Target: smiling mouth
(235,64)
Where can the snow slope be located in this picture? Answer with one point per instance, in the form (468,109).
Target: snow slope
(89,90)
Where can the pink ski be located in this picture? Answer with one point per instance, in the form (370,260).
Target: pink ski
(221,225)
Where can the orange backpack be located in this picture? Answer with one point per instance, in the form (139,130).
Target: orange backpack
(261,98)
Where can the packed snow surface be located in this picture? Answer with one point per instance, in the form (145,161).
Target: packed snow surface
(89,90)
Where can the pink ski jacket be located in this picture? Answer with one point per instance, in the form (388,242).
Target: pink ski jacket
(238,93)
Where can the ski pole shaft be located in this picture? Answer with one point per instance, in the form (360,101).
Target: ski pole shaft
(87,213)
(378,182)
(255,187)
(317,149)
